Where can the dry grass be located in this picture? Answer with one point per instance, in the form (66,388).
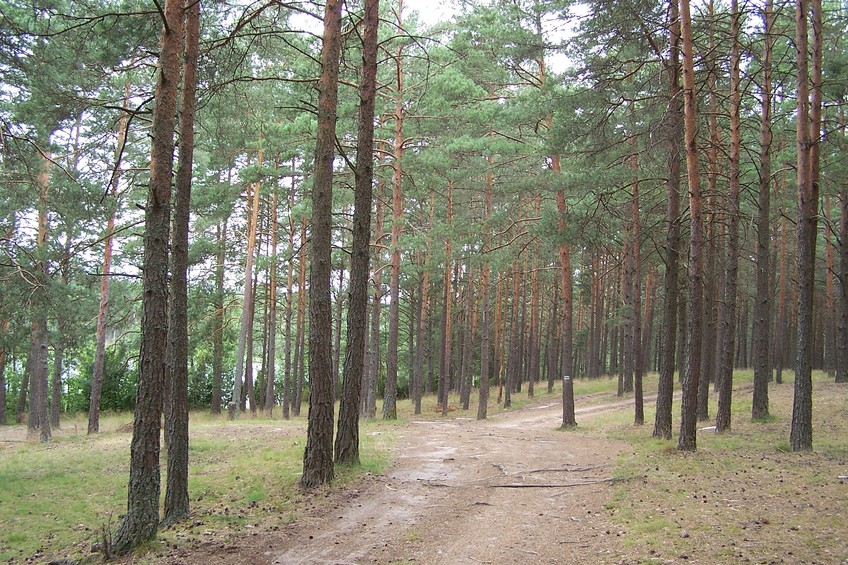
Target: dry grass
(743,497)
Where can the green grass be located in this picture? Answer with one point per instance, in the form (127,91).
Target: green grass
(56,493)
(63,494)
(66,493)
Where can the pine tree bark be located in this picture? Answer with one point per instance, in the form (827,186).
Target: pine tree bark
(485,275)
(533,341)
(390,392)
(514,357)
(808,126)
(176,400)
(553,338)
(318,456)
(369,408)
(500,337)
(347,438)
(218,318)
(762,305)
(568,417)
(21,404)
(141,520)
(246,325)
(467,340)
(648,319)
(628,362)
(38,420)
(830,311)
(636,277)
(689,416)
(727,332)
(300,338)
(522,362)
(288,376)
(249,389)
(447,300)
(39,415)
(56,382)
(842,339)
(712,229)
(780,335)
(271,318)
(4,328)
(420,386)
(420,313)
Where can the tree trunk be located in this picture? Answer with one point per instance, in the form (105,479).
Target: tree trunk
(4,328)
(249,390)
(521,367)
(568,418)
(553,338)
(514,358)
(648,319)
(636,277)
(39,415)
(59,346)
(176,401)
(42,404)
(56,384)
(420,312)
(780,334)
(271,319)
(318,456)
(347,438)
(467,344)
(218,319)
(762,303)
(534,340)
(369,409)
(830,311)
(485,274)
(288,376)
(390,392)
(712,228)
(689,416)
(842,340)
(142,517)
(728,304)
(245,326)
(261,379)
(337,331)
(447,299)
(300,338)
(38,419)
(808,123)
(21,404)
(423,311)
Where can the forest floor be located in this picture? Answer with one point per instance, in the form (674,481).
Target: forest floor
(512,489)
(516,489)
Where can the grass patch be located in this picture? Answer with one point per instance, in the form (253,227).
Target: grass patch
(58,498)
(744,495)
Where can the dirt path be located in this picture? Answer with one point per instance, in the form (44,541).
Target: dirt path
(512,489)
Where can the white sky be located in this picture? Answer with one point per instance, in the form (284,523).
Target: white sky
(430,11)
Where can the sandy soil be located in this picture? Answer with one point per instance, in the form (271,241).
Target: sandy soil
(513,489)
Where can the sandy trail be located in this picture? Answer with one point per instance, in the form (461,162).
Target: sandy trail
(512,489)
